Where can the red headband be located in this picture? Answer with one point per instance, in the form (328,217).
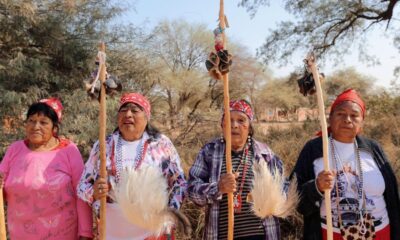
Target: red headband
(55,104)
(241,106)
(137,99)
(349,95)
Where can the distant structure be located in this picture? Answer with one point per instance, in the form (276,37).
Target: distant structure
(283,115)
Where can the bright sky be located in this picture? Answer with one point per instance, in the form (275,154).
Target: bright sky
(252,32)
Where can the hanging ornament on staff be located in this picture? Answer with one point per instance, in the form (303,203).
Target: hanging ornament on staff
(309,84)
(218,64)
(100,86)
(102,135)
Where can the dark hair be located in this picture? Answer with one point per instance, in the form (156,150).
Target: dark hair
(152,131)
(46,110)
(251,130)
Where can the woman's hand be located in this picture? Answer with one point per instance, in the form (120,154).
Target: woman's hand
(227,183)
(100,188)
(325,180)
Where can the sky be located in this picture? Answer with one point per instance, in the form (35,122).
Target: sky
(252,32)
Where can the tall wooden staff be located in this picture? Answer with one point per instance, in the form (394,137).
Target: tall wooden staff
(102,136)
(312,66)
(227,122)
(3,233)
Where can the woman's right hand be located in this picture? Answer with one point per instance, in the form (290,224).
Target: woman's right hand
(325,180)
(227,183)
(100,188)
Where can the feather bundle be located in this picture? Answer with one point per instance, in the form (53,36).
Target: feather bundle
(143,198)
(269,196)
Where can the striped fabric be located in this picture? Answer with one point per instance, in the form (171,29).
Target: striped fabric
(246,223)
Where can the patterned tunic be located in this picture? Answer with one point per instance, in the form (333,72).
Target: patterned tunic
(160,152)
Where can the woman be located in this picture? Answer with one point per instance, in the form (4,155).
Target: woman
(40,175)
(209,183)
(361,178)
(136,144)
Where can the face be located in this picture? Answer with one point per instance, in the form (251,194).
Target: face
(240,128)
(39,129)
(132,121)
(346,121)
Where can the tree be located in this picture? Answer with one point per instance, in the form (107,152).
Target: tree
(283,94)
(328,26)
(247,76)
(46,49)
(347,78)
(179,50)
(47,43)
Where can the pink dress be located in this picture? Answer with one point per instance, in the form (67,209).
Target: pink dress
(40,191)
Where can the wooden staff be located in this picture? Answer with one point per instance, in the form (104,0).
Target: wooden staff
(102,137)
(3,233)
(227,122)
(311,64)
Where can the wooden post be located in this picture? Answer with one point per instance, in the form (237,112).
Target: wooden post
(311,62)
(3,232)
(227,122)
(102,138)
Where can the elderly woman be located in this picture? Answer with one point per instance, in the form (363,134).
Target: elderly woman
(362,182)
(40,175)
(135,144)
(209,183)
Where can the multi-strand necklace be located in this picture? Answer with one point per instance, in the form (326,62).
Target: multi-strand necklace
(237,197)
(116,158)
(359,189)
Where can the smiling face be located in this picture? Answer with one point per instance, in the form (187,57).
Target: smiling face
(39,129)
(346,121)
(240,129)
(132,121)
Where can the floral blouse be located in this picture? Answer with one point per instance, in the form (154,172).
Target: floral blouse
(160,152)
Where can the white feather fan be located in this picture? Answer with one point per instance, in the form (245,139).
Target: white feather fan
(143,198)
(268,195)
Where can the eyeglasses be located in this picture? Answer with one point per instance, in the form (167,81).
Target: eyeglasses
(133,109)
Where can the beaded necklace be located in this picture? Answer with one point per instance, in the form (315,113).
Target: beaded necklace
(338,160)
(361,194)
(237,197)
(116,159)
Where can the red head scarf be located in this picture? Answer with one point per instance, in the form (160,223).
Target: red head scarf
(55,104)
(241,106)
(349,95)
(137,99)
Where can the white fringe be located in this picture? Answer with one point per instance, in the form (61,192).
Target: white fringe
(142,196)
(268,194)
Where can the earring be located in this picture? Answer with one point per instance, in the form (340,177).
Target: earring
(249,139)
